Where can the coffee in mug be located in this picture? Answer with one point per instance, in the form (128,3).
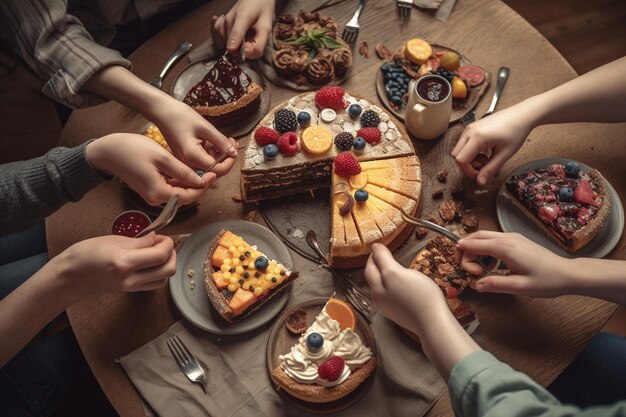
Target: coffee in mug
(429,107)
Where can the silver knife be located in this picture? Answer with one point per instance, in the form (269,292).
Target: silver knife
(503,75)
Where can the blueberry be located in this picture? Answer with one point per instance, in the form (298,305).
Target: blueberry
(359,143)
(304,118)
(200,172)
(355,110)
(385,68)
(388,91)
(314,341)
(261,263)
(397,100)
(572,169)
(566,194)
(270,151)
(361,195)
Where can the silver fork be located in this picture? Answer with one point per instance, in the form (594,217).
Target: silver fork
(187,362)
(351,30)
(357,298)
(404,8)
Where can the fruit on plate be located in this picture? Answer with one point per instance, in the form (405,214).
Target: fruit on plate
(570,205)
(317,139)
(417,51)
(459,88)
(329,361)
(450,60)
(239,278)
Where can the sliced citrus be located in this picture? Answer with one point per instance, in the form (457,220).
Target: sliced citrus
(459,88)
(417,51)
(450,61)
(317,139)
(359,180)
(341,312)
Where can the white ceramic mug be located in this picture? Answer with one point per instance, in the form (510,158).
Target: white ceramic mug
(429,107)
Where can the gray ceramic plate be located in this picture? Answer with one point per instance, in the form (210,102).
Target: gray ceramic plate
(512,219)
(194,72)
(195,305)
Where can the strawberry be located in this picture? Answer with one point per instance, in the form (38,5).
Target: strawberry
(583,193)
(346,165)
(288,144)
(331,369)
(265,135)
(330,97)
(549,213)
(451,292)
(370,134)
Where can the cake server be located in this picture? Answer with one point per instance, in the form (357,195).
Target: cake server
(489,263)
(166,216)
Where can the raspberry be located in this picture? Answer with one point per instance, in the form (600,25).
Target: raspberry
(331,369)
(370,134)
(285,121)
(346,165)
(288,144)
(344,141)
(369,118)
(330,97)
(265,135)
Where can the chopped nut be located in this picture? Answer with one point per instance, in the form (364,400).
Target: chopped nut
(470,223)
(459,193)
(445,268)
(442,175)
(459,213)
(383,52)
(251,215)
(190,273)
(236,197)
(364,49)
(437,194)
(447,210)
(421,232)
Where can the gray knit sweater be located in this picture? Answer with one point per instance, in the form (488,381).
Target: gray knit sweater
(34,189)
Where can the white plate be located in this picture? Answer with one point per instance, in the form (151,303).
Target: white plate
(512,219)
(195,305)
(196,71)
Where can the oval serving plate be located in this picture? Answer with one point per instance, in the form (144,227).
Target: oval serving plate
(459,107)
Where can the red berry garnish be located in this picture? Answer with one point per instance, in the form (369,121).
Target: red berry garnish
(265,135)
(346,165)
(451,292)
(584,194)
(331,369)
(288,144)
(370,134)
(549,213)
(330,97)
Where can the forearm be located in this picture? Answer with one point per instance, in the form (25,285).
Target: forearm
(443,340)
(25,311)
(599,278)
(119,84)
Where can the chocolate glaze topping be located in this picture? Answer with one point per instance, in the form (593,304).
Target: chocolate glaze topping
(224,83)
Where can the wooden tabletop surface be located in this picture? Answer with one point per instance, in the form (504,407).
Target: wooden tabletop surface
(488,33)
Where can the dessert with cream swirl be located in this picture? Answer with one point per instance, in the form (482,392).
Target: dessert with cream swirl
(328,362)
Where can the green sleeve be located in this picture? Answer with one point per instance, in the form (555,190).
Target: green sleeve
(480,385)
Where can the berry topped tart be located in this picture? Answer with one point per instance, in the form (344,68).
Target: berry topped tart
(226,94)
(331,138)
(239,279)
(437,261)
(329,361)
(570,205)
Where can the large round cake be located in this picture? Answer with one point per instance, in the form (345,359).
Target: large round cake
(331,138)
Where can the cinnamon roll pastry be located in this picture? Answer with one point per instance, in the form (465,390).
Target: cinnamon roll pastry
(320,71)
(282,60)
(342,60)
(300,61)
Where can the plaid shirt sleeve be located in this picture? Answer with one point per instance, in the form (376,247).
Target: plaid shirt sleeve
(57,47)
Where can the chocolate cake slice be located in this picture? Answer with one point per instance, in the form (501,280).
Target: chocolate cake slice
(226,94)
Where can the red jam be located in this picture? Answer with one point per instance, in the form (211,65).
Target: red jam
(130,223)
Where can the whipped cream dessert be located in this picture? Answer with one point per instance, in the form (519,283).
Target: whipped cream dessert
(322,340)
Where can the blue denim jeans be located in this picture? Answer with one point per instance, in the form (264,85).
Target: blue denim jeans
(597,376)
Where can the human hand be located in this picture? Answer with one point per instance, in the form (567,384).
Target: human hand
(248,20)
(147,168)
(404,295)
(115,264)
(498,136)
(535,271)
(192,139)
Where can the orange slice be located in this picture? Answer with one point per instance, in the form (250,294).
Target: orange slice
(317,139)
(341,312)
(418,51)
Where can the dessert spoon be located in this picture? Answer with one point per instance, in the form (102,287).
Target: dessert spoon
(166,216)
(179,52)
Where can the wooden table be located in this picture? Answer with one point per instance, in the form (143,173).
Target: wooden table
(488,33)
